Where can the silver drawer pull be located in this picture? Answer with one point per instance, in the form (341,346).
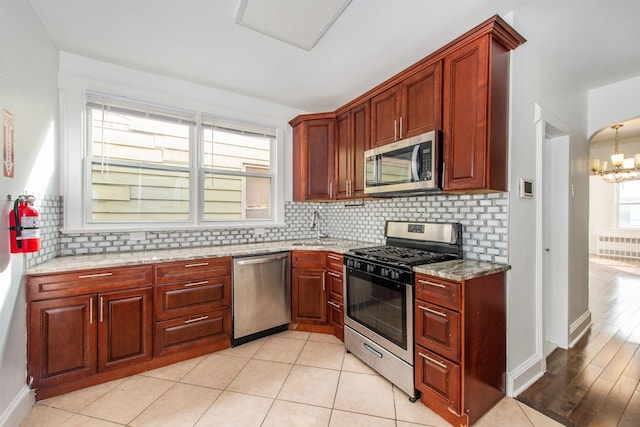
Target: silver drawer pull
(89,276)
(334,304)
(91,311)
(330,273)
(429,310)
(437,285)
(198,264)
(204,282)
(442,365)
(197,319)
(333,257)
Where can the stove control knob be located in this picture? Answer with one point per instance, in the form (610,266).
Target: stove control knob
(384,272)
(356,264)
(349,263)
(370,268)
(395,274)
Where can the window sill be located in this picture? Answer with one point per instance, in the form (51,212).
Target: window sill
(167,228)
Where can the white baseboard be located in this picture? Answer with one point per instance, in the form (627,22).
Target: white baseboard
(19,408)
(524,375)
(579,328)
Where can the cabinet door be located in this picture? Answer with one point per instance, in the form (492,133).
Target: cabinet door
(385,116)
(62,340)
(317,150)
(438,379)
(361,142)
(421,101)
(336,317)
(343,148)
(466,81)
(308,296)
(438,329)
(124,328)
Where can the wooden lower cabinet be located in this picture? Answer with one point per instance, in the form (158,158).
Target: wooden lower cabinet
(460,345)
(308,296)
(91,326)
(62,340)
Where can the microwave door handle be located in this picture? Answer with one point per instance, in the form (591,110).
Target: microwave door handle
(415,166)
(377,168)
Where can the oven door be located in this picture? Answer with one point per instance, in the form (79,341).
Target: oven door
(381,310)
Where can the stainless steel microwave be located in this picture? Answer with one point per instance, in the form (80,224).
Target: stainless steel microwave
(411,165)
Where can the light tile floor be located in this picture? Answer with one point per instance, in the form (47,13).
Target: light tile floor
(289,379)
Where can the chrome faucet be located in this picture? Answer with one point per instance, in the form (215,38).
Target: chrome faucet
(315,224)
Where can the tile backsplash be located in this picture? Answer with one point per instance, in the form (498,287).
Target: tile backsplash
(484,217)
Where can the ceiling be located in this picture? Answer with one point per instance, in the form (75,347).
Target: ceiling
(371,40)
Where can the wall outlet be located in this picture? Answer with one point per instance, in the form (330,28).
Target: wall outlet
(137,235)
(259,231)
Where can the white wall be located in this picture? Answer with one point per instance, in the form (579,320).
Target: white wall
(28,65)
(537,78)
(613,103)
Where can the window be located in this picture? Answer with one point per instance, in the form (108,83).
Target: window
(155,164)
(629,204)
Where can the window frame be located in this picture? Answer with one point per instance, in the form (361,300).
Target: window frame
(197,172)
(619,203)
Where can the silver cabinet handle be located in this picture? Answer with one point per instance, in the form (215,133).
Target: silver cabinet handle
(442,365)
(323,276)
(198,264)
(400,127)
(90,276)
(197,319)
(395,130)
(336,305)
(427,309)
(437,285)
(188,285)
(331,190)
(91,311)
(333,257)
(339,276)
(101,308)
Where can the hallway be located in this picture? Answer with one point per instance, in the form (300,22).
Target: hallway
(596,383)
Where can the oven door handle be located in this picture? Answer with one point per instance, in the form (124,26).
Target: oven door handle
(373,350)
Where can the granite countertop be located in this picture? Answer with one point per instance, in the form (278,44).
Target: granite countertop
(458,270)
(461,269)
(119,259)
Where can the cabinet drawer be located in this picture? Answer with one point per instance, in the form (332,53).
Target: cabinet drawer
(335,285)
(336,317)
(442,292)
(438,379)
(308,259)
(438,329)
(335,262)
(87,282)
(194,332)
(185,299)
(193,269)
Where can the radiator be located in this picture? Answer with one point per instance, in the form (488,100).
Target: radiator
(624,247)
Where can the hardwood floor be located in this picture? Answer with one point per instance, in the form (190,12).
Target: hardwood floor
(596,383)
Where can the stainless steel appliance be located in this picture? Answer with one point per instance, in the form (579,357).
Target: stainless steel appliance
(408,166)
(261,295)
(379,295)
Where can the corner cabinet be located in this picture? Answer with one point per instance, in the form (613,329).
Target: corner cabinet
(460,345)
(308,287)
(313,156)
(476,111)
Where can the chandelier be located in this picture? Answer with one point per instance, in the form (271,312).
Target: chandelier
(621,169)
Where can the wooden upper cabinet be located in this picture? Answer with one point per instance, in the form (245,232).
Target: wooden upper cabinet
(476,79)
(409,108)
(313,157)
(352,140)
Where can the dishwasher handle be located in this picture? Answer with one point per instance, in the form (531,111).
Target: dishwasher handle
(262,259)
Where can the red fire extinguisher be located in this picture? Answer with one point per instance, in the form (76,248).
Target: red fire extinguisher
(23,225)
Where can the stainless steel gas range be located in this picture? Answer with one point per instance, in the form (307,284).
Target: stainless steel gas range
(378,290)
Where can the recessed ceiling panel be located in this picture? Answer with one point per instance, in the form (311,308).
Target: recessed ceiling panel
(300,23)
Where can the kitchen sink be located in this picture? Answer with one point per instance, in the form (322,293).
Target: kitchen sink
(316,242)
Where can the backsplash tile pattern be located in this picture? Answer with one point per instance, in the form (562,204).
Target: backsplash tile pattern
(49,209)
(484,217)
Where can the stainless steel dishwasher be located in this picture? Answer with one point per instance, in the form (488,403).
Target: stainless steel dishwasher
(261,295)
